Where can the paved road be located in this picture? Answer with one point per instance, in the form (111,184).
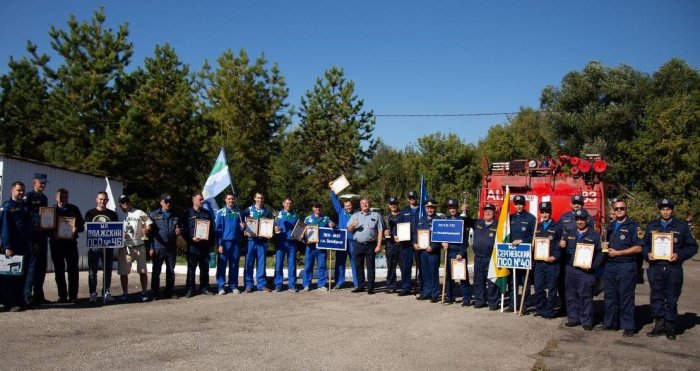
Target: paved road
(330,330)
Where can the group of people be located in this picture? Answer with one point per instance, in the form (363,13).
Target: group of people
(560,287)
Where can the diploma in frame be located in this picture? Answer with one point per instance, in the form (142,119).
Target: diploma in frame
(201,229)
(251,227)
(64,229)
(311,233)
(403,231)
(459,269)
(661,245)
(47,217)
(583,258)
(541,248)
(423,238)
(266,227)
(339,184)
(298,231)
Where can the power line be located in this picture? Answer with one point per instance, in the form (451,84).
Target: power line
(447,114)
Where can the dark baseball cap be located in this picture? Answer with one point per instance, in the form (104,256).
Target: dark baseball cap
(452,202)
(42,178)
(165,197)
(392,200)
(581,214)
(412,194)
(124,199)
(489,206)
(665,202)
(578,199)
(546,206)
(519,200)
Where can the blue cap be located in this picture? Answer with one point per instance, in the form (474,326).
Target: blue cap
(41,177)
(412,194)
(546,206)
(392,200)
(666,202)
(124,199)
(452,202)
(581,214)
(491,207)
(578,199)
(165,197)
(519,199)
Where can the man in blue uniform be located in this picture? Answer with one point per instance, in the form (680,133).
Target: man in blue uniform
(666,276)
(393,249)
(64,251)
(344,212)
(229,229)
(368,231)
(568,223)
(313,254)
(409,214)
(38,256)
(485,291)
(522,229)
(429,258)
(257,248)
(16,230)
(165,229)
(286,246)
(198,247)
(623,246)
(457,251)
(547,271)
(580,281)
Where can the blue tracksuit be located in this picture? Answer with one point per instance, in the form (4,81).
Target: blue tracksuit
(16,231)
(36,267)
(579,282)
(257,248)
(522,227)
(485,291)
(228,236)
(341,256)
(408,253)
(547,274)
(453,250)
(429,263)
(286,247)
(314,254)
(620,275)
(666,278)
(164,244)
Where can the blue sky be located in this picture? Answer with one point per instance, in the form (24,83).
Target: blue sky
(406,57)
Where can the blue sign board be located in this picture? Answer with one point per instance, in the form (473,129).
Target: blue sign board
(105,235)
(513,257)
(447,230)
(332,239)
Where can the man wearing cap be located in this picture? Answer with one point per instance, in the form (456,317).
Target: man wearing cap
(286,246)
(198,249)
(100,214)
(429,258)
(64,251)
(393,249)
(38,254)
(344,212)
(409,214)
(313,254)
(165,229)
(568,224)
(485,291)
(547,271)
(623,247)
(666,276)
(522,229)
(368,231)
(580,281)
(16,231)
(457,251)
(137,225)
(257,248)
(229,230)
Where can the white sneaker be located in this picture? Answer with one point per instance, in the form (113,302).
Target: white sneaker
(323,288)
(236,291)
(307,289)
(222,292)
(93,298)
(108,297)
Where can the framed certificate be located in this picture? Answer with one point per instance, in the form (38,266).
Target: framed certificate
(47,217)
(423,238)
(266,227)
(64,229)
(541,248)
(339,184)
(298,231)
(661,245)
(251,227)
(583,258)
(459,269)
(11,266)
(311,233)
(403,231)
(201,229)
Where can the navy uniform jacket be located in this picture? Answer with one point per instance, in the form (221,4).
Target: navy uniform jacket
(484,238)
(568,222)
(522,226)
(683,242)
(16,227)
(72,211)
(408,215)
(163,230)
(391,221)
(191,215)
(554,230)
(590,236)
(34,201)
(460,248)
(426,223)
(622,236)
(286,221)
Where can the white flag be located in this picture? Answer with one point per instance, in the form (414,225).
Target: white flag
(219,178)
(110,204)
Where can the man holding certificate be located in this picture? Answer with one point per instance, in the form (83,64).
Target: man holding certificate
(546,261)
(368,230)
(429,256)
(16,231)
(313,254)
(485,291)
(409,214)
(667,244)
(522,229)
(257,248)
(286,246)
(344,212)
(200,239)
(393,249)
(64,247)
(457,251)
(36,267)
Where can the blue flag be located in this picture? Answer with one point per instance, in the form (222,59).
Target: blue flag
(423,197)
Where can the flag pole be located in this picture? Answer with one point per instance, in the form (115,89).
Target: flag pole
(526,286)
(444,278)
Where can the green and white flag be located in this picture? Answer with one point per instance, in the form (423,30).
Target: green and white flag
(219,178)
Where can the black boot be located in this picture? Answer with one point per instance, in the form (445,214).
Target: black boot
(659,328)
(670,331)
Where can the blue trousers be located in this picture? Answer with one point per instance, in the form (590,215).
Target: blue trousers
(197,258)
(666,282)
(286,249)
(341,257)
(64,254)
(94,257)
(485,291)
(620,279)
(168,257)
(229,259)
(546,287)
(319,256)
(429,273)
(255,260)
(579,295)
(36,269)
(406,265)
(450,283)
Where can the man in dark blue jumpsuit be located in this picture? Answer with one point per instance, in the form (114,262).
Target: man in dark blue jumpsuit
(458,251)
(568,223)
(165,229)
(198,249)
(485,291)
(623,246)
(580,281)
(666,276)
(16,230)
(429,258)
(286,246)
(38,257)
(522,229)
(409,214)
(547,271)
(393,248)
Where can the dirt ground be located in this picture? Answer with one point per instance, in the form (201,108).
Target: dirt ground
(330,330)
